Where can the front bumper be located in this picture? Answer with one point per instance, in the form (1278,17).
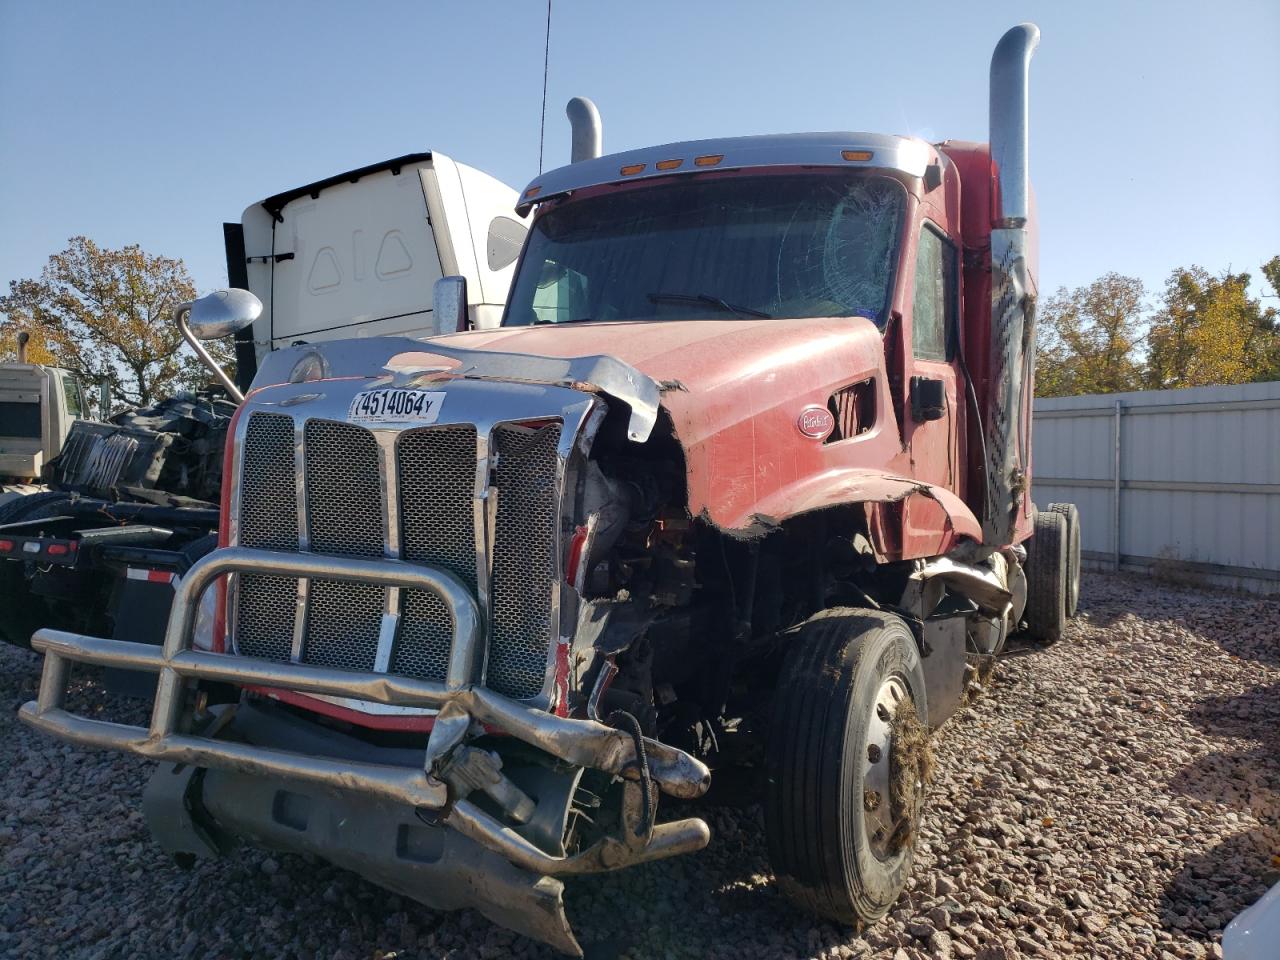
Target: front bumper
(465,709)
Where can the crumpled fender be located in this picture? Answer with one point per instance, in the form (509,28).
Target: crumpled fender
(851,486)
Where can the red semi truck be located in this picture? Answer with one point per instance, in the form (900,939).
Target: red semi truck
(742,477)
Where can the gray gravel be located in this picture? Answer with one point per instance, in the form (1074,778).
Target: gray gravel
(1117,795)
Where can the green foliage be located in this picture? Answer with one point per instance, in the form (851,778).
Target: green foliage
(105,314)
(1087,338)
(1205,331)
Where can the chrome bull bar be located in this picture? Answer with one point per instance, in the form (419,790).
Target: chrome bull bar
(583,743)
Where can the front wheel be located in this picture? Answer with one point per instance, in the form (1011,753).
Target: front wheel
(847,764)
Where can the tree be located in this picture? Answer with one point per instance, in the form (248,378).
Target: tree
(1087,339)
(1210,331)
(105,314)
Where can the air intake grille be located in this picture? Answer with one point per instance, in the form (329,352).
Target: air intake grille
(269,510)
(344,490)
(268,520)
(523,557)
(437,470)
(433,478)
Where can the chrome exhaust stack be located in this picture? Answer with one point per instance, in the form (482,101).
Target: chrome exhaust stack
(1007,422)
(588,136)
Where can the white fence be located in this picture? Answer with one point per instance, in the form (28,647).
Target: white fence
(1184,481)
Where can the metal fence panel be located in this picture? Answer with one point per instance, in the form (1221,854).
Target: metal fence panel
(1193,484)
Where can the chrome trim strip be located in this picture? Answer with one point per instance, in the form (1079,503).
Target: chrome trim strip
(387,632)
(484,500)
(389,482)
(298,650)
(300,481)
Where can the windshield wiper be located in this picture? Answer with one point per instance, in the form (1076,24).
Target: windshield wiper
(548,323)
(708,299)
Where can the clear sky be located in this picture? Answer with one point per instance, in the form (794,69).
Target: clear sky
(1155,126)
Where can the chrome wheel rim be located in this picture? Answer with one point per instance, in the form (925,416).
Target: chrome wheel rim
(880,820)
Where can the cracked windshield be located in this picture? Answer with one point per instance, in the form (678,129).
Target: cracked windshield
(810,245)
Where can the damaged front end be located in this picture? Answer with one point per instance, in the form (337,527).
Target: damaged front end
(380,580)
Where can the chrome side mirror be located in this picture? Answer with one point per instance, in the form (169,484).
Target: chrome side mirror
(218,314)
(222,313)
(449,305)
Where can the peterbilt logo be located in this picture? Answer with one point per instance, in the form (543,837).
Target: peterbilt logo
(816,422)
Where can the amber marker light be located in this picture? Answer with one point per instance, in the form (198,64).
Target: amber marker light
(631,169)
(532,192)
(708,160)
(668,164)
(856,154)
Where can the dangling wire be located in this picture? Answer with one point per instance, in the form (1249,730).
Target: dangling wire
(546,59)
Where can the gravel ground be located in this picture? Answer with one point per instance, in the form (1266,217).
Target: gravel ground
(1117,795)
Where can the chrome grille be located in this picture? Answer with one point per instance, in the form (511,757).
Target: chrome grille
(433,477)
(426,630)
(269,509)
(265,616)
(267,606)
(524,562)
(437,472)
(343,620)
(344,490)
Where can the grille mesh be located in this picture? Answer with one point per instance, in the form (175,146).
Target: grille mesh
(523,558)
(437,469)
(265,616)
(343,620)
(437,476)
(344,490)
(268,501)
(426,633)
(267,606)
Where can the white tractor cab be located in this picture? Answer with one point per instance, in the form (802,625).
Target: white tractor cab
(358,254)
(38,405)
(133,502)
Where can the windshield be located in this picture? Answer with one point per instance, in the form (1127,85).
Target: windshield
(793,245)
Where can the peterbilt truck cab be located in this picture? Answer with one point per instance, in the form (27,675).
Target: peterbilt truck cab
(741,478)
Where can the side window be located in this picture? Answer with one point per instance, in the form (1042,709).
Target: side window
(75,402)
(933,306)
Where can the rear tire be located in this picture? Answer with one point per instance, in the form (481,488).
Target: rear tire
(1069,511)
(846,765)
(1046,613)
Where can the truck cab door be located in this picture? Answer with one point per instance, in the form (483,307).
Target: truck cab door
(932,419)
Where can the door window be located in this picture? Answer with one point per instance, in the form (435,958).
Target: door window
(933,306)
(75,401)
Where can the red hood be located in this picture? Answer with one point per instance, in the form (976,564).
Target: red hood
(702,355)
(735,390)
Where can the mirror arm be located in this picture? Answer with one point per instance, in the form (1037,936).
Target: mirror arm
(180,318)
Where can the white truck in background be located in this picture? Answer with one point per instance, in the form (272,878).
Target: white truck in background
(358,254)
(131,503)
(38,405)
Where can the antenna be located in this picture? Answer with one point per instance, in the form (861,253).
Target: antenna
(546,60)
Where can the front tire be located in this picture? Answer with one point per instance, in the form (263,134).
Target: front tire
(847,764)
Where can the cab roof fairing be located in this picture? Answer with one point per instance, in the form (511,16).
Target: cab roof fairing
(904,155)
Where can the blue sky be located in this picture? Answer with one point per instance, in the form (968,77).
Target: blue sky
(1155,126)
